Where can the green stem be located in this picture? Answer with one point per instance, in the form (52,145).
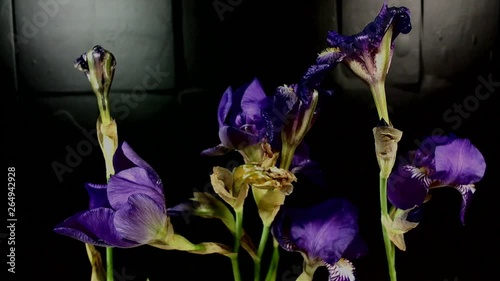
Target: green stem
(109,264)
(273,267)
(390,250)
(260,251)
(237,242)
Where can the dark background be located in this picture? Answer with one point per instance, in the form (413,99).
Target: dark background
(275,41)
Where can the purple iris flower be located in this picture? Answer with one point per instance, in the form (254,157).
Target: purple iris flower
(440,161)
(326,233)
(243,118)
(365,52)
(129,211)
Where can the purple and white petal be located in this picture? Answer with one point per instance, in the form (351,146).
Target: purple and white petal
(467,192)
(142,220)
(133,181)
(343,270)
(407,187)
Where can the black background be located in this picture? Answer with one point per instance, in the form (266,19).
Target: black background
(440,248)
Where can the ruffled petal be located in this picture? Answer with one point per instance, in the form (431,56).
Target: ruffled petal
(133,181)
(325,230)
(142,220)
(94,227)
(458,163)
(407,187)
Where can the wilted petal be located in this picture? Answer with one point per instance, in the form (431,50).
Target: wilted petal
(268,203)
(98,195)
(134,181)
(458,163)
(397,226)
(407,187)
(466,191)
(142,220)
(343,270)
(302,164)
(94,227)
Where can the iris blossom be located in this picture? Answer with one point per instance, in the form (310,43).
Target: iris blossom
(439,162)
(129,211)
(369,53)
(325,234)
(243,120)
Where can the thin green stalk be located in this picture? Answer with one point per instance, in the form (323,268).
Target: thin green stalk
(273,267)
(109,264)
(237,242)
(389,246)
(260,251)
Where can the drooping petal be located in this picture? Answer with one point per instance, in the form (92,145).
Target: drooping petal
(458,163)
(407,187)
(98,195)
(467,191)
(134,181)
(343,270)
(142,220)
(322,231)
(94,227)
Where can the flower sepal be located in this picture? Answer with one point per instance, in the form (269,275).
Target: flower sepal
(397,225)
(180,243)
(386,146)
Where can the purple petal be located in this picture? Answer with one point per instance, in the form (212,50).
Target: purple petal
(323,231)
(301,164)
(254,100)
(424,156)
(356,249)
(407,187)
(141,220)
(233,138)
(225,105)
(467,191)
(458,163)
(133,181)
(126,158)
(371,36)
(98,195)
(94,227)
(218,150)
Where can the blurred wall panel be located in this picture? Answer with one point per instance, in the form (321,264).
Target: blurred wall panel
(7,51)
(50,34)
(456,35)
